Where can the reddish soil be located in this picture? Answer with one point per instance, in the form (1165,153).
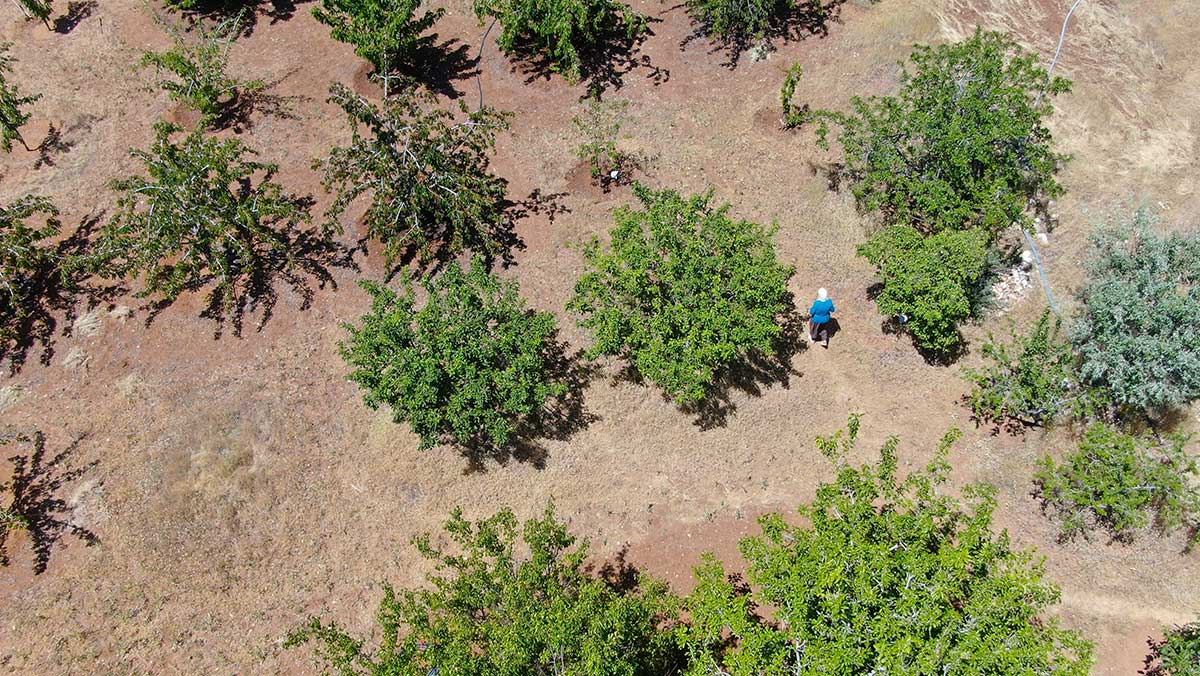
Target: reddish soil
(240,485)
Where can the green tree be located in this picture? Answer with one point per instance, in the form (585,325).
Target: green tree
(962,146)
(1138,334)
(197,65)
(25,257)
(427,175)
(1177,654)
(931,283)
(682,291)
(469,365)
(12,103)
(887,576)
(36,9)
(1031,380)
(1123,483)
(565,32)
(387,33)
(492,609)
(739,20)
(198,216)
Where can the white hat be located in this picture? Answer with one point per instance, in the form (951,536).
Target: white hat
(822,294)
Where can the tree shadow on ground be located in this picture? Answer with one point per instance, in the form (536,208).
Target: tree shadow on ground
(236,114)
(54,291)
(753,374)
(438,66)
(35,506)
(804,19)
(561,418)
(307,255)
(603,65)
(76,13)
(217,10)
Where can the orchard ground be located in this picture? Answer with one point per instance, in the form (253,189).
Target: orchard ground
(240,484)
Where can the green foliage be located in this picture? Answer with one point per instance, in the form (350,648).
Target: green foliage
(889,577)
(792,116)
(37,9)
(12,103)
(738,20)
(471,364)
(562,31)
(1177,654)
(490,610)
(1138,334)
(1123,483)
(387,33)
(1031,380)
(24,258)
(427,176)
(962,146)
(682,291)
(198,216)
(197,63)
(931,281)
(600,126)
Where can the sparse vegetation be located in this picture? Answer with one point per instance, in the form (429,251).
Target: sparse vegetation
(600,126)
(387,33)
(25,255)
(1032,380)
(792,116)
(426,175)
(889,577)
(1123,483)
(13,114)
(470,365)
(682,292)
(930,283)
(197,64)
(1138,334)
(492,608)
(564,32)
(204,212)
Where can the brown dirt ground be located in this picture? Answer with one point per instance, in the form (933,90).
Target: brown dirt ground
(241,485)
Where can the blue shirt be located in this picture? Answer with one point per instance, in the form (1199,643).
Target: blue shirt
(821,310)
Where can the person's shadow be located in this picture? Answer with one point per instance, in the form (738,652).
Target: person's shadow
(828,331)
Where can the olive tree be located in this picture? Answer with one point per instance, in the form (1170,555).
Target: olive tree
(470,365)
(387,33)
(562,31)
(197,65)
(426,175)
(883,576)
(12,103)
(509,599)
(1138,332)
(682,291)
(963,145)
(203,212)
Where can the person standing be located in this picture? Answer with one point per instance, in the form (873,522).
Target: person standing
(820,317)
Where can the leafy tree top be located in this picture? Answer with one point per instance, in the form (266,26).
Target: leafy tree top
(682,290)
(1138,334)
(386,33)
(12,103)
(203,212)
(963,144)
(1177,654)
(426,175)
(509,601)
(739,21)
(931,281)
(891,576)
(1123,483)
(563,31)
(470,364)
(197,63)
(24,256)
